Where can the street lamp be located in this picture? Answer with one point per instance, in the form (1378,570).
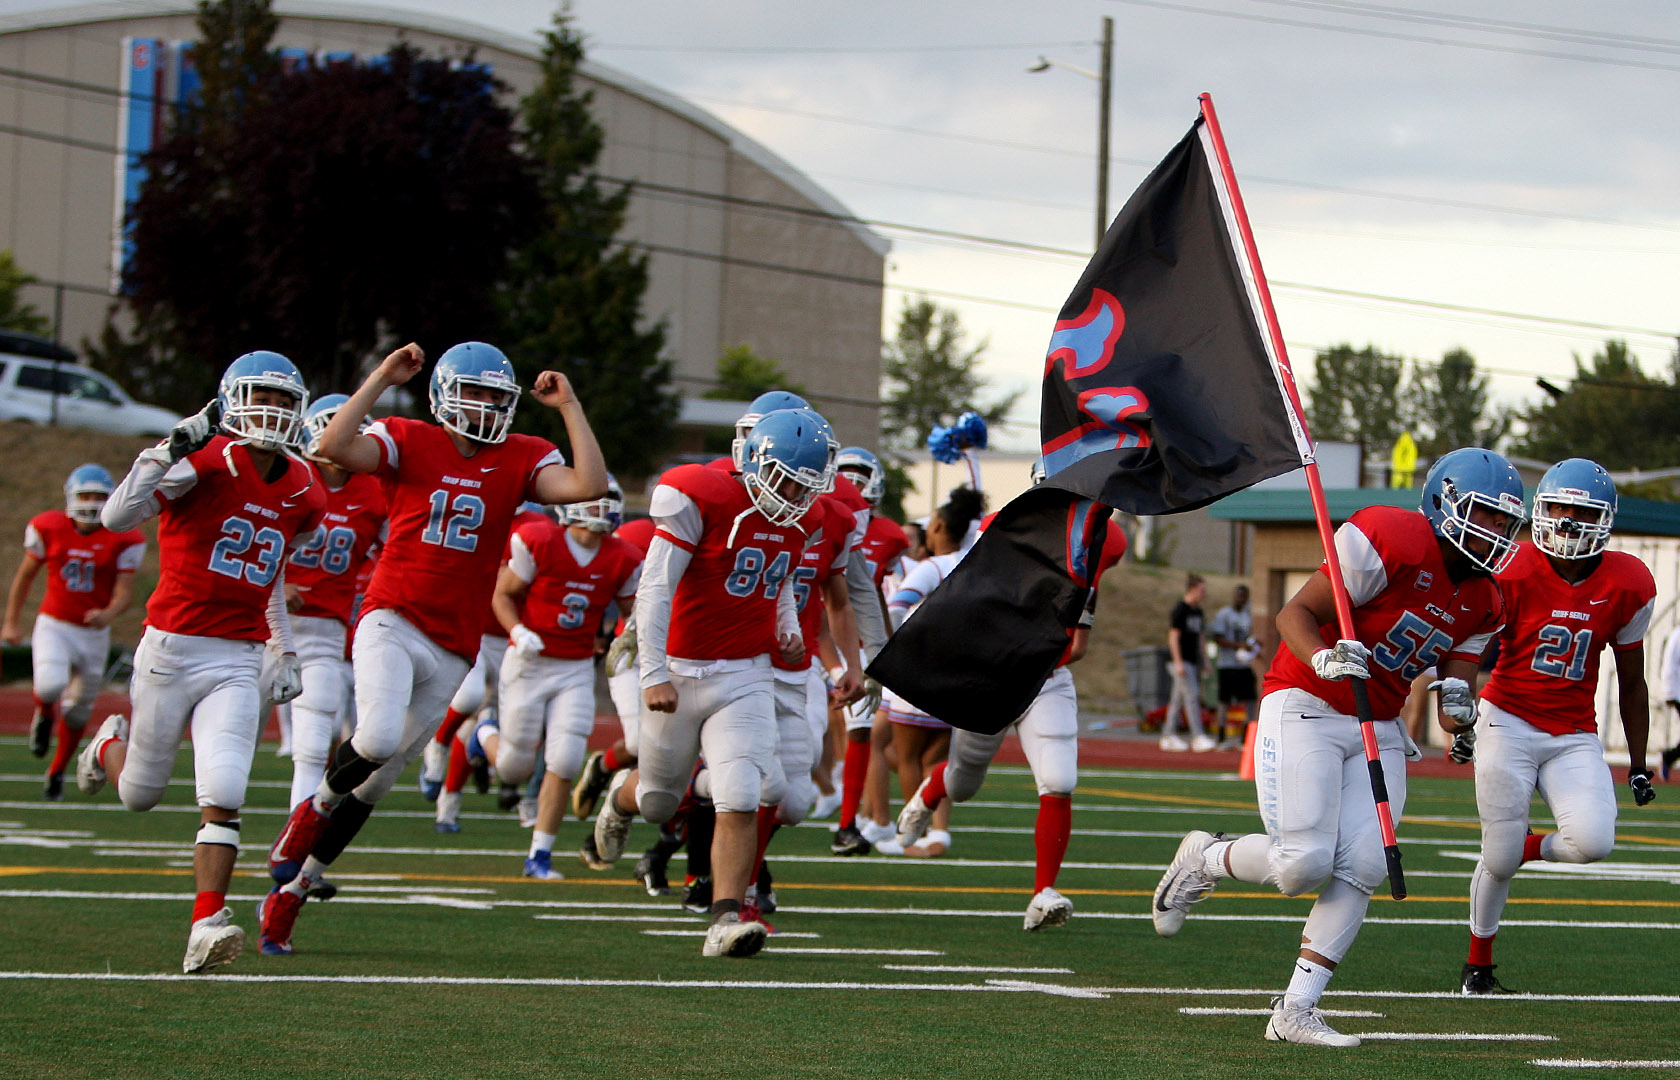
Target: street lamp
(1105,81)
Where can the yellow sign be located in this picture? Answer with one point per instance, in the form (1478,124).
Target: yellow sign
(1403,464)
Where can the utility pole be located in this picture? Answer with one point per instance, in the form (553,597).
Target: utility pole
(1107,81)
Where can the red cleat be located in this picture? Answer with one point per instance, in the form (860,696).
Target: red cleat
(750,913)
(296,840)
(279,913)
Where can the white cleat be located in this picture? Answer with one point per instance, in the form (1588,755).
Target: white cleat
(729,936)
(214,941)
(434,765)
(875,832)
(1183,884)
(1201,744)
(914,819)
(1305,1026)
(90,775)
(1049,908)
(826,804)
(612,827)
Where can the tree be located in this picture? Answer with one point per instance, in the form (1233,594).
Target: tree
(1448,406)
(927,377)
(742,374)
(15,314)
(572,297)
(1354,397)
(1613,413)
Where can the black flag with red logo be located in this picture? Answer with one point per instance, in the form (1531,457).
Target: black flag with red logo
(1161,394)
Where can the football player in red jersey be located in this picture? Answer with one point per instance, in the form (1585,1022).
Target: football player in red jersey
(1566,598)
(320,591)
(709,611)
(90,581)
(453,488)
(551,597)
(624,686)
(229,505)
(1049,733)
(1422,590)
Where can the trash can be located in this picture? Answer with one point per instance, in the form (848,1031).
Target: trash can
(1147,677)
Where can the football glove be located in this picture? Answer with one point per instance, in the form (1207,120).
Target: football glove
(621,654)
(1640,783)
(1457,704)
(871,699)
(288,679)
(195,431)
(1347,659)
(1463,747)
(525,641)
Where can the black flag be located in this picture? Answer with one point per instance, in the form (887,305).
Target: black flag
(1161,394)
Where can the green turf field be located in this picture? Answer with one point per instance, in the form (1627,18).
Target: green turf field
(438,959)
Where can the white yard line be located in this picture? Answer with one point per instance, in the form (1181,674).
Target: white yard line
(973,970)
(1358,1014)
(1585,1063)
(1450,1036)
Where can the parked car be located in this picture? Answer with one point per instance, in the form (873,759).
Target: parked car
(44,383)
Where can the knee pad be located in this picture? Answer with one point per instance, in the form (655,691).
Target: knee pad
(796,800)
(564,755)
(963,780)
(514,764)
(1502,849)
(1058,767)
(1583,845)
(1364,871)
(77,716)
(223,833)
(138,796)
(376,743)
(740,787)
(657,806)
(1302,871)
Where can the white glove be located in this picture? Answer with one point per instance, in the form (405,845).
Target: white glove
(1347,659)
(525,641)
(871,699)
(1456,703)
(621,654)
(288,679)
(195,431)
(1463,747)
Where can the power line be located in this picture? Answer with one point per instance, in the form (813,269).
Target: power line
(1487,25)
(778,50)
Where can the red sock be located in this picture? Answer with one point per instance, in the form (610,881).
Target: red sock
(48,708)
(853,774)
(1050,838)
(446,730)
(455,778)
(766,826)
(68,737)
(105,748)
(610,762)
(207,904)
(1481,950)
(933,792)
(1531,848)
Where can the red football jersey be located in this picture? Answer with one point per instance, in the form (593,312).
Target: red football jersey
(725,604)
(493,626)
(882,544)
(567,599)
(1555,634)
(82,568)
(450,517)
(829,525)
(638,533)
(223,534)
(1405,609)
(327,568)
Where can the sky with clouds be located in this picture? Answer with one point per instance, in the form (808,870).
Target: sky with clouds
(1499,175)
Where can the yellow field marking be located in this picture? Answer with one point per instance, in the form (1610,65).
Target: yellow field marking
(1181,800)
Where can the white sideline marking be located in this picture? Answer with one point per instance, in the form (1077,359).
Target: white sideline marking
(1357,1014)
(34,841)
(973,969)
(1050,988)
(1450,1036)
(620,918)
(804,950)
(1584,1063)
(451,980)
(442,901)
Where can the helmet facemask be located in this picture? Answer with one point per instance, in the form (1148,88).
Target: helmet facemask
(601,515)
(1457,526)
(478,420)
(78,507)
(1565,537)
(274,428)
(781,494)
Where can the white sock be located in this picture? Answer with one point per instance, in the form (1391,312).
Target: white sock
(1213,860)
(1306,985)
(542,842)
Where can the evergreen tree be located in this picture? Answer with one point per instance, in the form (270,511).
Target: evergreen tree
(928,378)
(1354,398)
(743,374)
(15,314)
(1449,408)
(1613,413)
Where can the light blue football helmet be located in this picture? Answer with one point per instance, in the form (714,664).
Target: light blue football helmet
(86,480)
(788,461)
(266,427)
(318,416)
(473,363)
(865,470)
(763,404)
(601,515)
(1574,482)
(1464,479)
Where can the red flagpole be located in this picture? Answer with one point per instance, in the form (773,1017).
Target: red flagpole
(1321,512)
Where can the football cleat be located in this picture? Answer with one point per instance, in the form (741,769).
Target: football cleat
(650,871)
(591,784)
(1304,1026)
(40,733)
(540,865)
(732,935)
(751,912)
(591,858)
(279,915)
(1668,758)
(447,828)
(1174,743)
(508,797)
(1183,884)
(323,890)
(697,896)
(214,941)
(1049,908)
(296,840)
(826,804)
(765,889)
(434,763)
(875,832)
(612,827)
(90,775)
(849,841)
(914,819)
(52,789)
(1476,980)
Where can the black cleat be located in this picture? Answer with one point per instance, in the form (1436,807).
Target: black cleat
(1669,757)
(40,733)
(323,890)
(481,778)
(650,871)
(765,888)
(849,841)
(1477,980)
(508,796)
(591,784)
(53,789)
(697,896)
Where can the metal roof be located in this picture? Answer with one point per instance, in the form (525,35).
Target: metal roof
(1647,517)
